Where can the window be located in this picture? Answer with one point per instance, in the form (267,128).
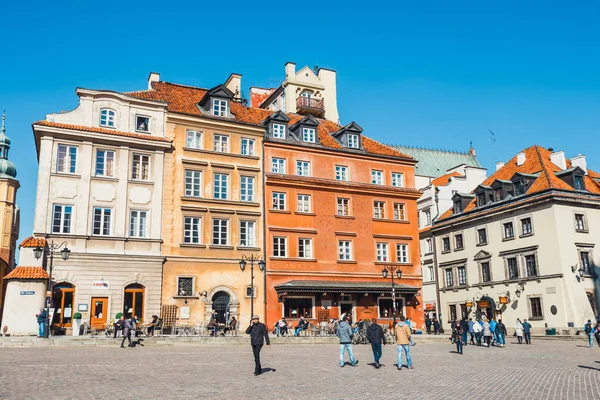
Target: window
(458,242)
(519,187)
(513,268)
(138,223)
(402,253)
(191,230)
(220,230)
(526,228)
(298,307)
(584,257)
(101,225)
(481,236)
(247,147)
(429,245)
(192,183)
(344,250)
(462,276)
(579,184)
(580,224)
(382,252)
(481,199)
(105,163)
(379,209)
(353,141)
(386,307)
(397,179)
(219,107)
(399,213)
(308,135)
(278,165)
(431,273)
(449,277)
(220,183)
(509,231)
(341,173)
(531,265)
(247,234)
(250,291)
(142,124)
(303,203)
(304,248)
(246,188)
(303,168)
(279,246)
(427,214)
(185,286)
(278,201)
(456,208)
(498,195)
(445,244)
(279,131)
(66,159)
(193,139)
(486,275)
(107,118)
(61,219)
(343,206)
(377,177)
(221,143)
(140,167)
(452,312)
(535,303)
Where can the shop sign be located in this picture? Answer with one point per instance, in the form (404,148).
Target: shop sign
(503,300)
(27,292)
(100,285)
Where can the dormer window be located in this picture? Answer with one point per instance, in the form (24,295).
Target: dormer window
(107,118)
(498,194)
(578,182)
(519,188)
(353,141)
(219,107)
(456,208)
(142,123)
(279,131)
(308,135)
(481,199)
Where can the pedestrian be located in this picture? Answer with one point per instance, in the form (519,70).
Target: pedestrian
(258,336)
(597,333)
(402,334)
(487,332)
(493,329)
(299,327)
(588,329)
(501,333)
(376,337)
(436,327)
(519,331)
(428,325)
(457,336)
(41,320)
(477,328)
(471,331)
(128,326)
(465,330)
(153,325)
(412,326)
(344,333)
(527,331)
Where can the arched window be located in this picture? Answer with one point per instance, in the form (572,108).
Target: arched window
(63,298)
(221,301)
(107,118)
(133,301)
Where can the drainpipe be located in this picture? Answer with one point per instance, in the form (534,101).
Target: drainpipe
(264,213)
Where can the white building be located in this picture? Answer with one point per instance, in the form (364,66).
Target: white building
(100,187)
(521,245)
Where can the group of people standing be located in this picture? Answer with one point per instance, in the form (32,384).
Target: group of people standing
(484,332)
(592,332)
(432,324)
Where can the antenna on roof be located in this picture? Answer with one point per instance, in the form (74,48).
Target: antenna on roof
(493,137)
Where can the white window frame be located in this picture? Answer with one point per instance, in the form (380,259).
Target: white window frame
(305,244)
(109,118)
(220,107)
(69,165)
(353,141)
(193,183)
(247,228)
(345,250)
(504,237)
(138,223)
(248,147)
(377,177)
(279,131)
(341,173)
(103,221)
(277,242)
(278,201)
(302,168)
(382,252)
(308,135)
(220,191)
(246,188)
(429,243)
(303,203)
(530,217)
(278,165)
(219,224)
(402,254)
(397,179)
(195,225)
(341,206)
(220,143)
(397,208)
(458,275)
(143,159)
(583,229)
(104,172)
(62,220)
(379,209)
(193,139)
(137,129)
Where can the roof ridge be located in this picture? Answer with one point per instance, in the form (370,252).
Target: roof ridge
(466,153)
(181,85)
(543,165)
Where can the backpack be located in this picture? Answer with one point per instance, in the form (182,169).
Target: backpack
(588,328)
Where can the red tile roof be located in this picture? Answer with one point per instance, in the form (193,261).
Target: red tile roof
(101,130)
(444,179)
(32,241)
(27,273)
(184,99)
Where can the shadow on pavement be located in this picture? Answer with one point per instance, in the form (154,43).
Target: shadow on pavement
(586,367)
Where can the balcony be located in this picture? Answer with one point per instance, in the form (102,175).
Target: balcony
(308,105)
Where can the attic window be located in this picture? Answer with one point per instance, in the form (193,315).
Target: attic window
(481,199)
(456,208)
(498,194)
(279,131)
(353,141)
(142,123)
(519,187)
(578,182)
(107,118)
(308,135)
(219,107)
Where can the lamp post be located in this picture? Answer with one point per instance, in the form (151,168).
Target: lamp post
(38,252)
(385,272)
(261,265)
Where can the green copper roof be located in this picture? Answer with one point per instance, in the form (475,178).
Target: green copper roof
(436,163)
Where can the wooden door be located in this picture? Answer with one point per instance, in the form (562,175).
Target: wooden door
(99,312)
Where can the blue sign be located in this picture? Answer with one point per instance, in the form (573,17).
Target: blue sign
(27,292)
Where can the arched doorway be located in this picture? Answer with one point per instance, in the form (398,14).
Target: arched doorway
(133,300)
(220,304)
(63,298)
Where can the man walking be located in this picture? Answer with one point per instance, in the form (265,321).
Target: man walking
(588,329)
(471,332)
(477,328)
(402,334)
(428,325)
(128,326)
(344,332)
(501,333)
(527,331)
(258,335)
(41,320)
(376,337)
(464,325)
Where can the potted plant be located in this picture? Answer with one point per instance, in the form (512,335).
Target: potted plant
(76,323)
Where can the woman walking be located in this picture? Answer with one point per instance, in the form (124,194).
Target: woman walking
(457,332)
(487,332)
(519,331)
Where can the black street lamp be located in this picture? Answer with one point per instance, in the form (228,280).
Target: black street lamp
(261,265)
(385,272)
(38,251)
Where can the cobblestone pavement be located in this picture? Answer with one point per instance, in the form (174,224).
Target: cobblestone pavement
(543,370)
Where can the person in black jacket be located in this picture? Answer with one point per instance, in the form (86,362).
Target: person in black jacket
(258,335)
(376,337)
(465,330)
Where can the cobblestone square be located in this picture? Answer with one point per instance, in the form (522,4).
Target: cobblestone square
(543,370)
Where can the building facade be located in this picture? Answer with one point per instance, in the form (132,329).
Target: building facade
(100,191)
(522,244)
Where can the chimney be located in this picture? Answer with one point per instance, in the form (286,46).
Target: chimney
(234,83)
(290,71)
(521,158)
(558,159)
(153,77)
(327,78)
(472,151)
(499,165)
(580,162)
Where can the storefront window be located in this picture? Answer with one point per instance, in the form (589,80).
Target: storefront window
(298,307)
(386,308)
(62,304)
(133,303)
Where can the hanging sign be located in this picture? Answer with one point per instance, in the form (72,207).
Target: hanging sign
(100,285)
(483,304)
(503,300)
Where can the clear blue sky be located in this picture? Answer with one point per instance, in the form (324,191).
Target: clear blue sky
(437,75)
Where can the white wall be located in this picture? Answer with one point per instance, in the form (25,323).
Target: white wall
(19,314)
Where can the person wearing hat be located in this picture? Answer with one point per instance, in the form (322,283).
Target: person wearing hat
(258,335)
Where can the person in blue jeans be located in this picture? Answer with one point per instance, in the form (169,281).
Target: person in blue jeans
(41,320)
(402,334)
(344,332)
(589,331)
(500,332)
(376,337)
(527,331)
